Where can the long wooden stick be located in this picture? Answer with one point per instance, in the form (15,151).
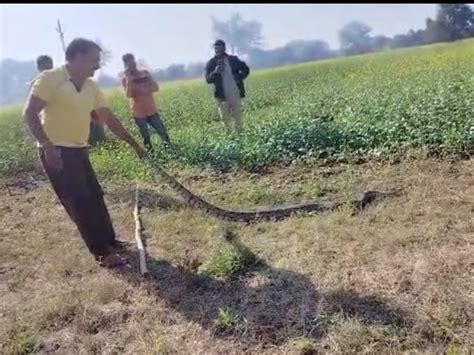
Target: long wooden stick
(61,35)
(138,234)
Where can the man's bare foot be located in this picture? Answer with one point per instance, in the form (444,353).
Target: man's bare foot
(120,244)
(113,261)
(121,240)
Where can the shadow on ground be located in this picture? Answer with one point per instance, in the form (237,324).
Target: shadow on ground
(265,305)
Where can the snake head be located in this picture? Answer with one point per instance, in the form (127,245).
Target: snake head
(369,197)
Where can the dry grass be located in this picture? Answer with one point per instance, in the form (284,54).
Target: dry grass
(396,278)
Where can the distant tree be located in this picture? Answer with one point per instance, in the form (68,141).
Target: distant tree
(105,80)
(303,51)
(435,32)
(293,52)
(412,38)
(456,19)
(172,72)
(259,58)
(380,43)
(176,71)
(416,38)
(355,38)
(15,78)
(399,41)
(195,70)
(240,35)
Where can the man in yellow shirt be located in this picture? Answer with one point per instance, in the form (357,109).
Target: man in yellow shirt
(58,113)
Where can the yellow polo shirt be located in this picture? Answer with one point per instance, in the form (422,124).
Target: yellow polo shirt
(67,115)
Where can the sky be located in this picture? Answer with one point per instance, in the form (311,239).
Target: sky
(163,34)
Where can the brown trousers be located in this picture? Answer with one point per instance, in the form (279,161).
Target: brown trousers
(81,195)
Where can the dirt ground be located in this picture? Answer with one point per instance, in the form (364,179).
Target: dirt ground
(399,277)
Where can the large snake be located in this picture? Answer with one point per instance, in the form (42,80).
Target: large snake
(277,213)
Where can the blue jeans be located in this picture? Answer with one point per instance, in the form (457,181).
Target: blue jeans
(157,123)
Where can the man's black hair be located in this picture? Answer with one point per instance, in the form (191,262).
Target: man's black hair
(80,45)
(219,42)
(126,57)
(42,59)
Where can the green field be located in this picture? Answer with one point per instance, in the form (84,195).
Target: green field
(382,106)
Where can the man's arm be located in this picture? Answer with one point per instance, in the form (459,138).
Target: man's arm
(244,69)
(106,116)
(41,93)
(149,86)
(152,85)
(114,124)
(211,73)
(31,113)
(127,86)
(31,116)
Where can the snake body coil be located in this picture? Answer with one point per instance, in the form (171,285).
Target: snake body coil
(278,213)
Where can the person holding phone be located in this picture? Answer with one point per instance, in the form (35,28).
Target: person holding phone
(139,86)
(227,73)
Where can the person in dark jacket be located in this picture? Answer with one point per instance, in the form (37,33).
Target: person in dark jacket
(227,73)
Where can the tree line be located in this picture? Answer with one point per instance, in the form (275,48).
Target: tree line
(452,22)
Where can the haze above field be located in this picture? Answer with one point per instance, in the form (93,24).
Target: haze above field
(154,34)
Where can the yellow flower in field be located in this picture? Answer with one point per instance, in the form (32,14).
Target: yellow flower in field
(353,76)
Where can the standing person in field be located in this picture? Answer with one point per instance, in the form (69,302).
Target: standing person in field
(58,113)
(227,73)
(44,62)
(139,86)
